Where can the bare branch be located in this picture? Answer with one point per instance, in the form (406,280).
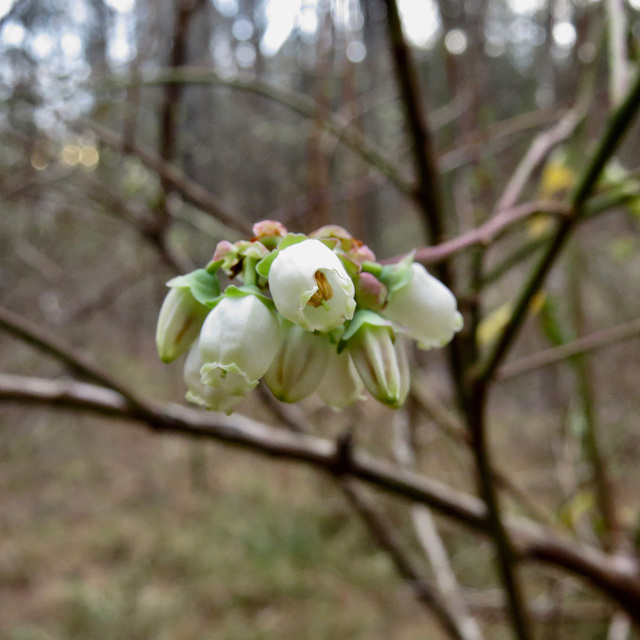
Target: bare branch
(488,232)
(190,190)
(538,152)
(618,50)
(616,128)
(300,104)
(615,576)
(555,355)
(427,192)
(431,542)
(38,337)
(389,539)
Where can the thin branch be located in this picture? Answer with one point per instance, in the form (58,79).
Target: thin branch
(586,394)
(38,337)
(389,539)
(493,138)
(616,128)
(475,410)
(489,232)
(431,542)
(618,53)
(596,205)
(538,152)
(427,191)
(300,104)
(620,627)
(615,576)
(490,605)
(190,190)
(101,297)
(554,355)
(184,11)
(449,424)
(383,531)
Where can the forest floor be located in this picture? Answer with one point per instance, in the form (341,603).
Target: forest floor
(108,532)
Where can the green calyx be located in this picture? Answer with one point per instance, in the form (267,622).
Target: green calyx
(264,265)
(398,275)
(361,320)
(246,290)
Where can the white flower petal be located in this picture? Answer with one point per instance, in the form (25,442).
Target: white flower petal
(299,365)
(221,398)
(382,364)
(311,287)
(424,309)
(341,385)
(239,338)
(179,322)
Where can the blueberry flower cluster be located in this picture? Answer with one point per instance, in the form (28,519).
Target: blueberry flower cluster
(313,313)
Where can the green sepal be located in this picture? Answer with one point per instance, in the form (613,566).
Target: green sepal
(399,275)
(247,290)
(204,286)
(363,318)
(373,267)
(213,266)
(352,267)
(264,266)
(252,249)
(290,239)
(335,335)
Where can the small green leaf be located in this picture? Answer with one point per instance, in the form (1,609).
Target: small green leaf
(204,286)
(252,249)
(213,266)
(264,266)
(290,239)
(582,504)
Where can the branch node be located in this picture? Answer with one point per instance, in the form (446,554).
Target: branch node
(343,456)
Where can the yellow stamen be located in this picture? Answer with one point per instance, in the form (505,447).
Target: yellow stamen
(324,292)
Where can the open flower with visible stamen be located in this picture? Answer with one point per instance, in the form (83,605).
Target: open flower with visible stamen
(311,287)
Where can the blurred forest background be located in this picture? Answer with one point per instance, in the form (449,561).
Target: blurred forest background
(136,134)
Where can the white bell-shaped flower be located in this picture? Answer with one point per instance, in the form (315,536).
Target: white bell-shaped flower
(224,397)
(311,287)
(424,309)
(382,364)
(341,385)
(181,317)
(239,340)
(300,364)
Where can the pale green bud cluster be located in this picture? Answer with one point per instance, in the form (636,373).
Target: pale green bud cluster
(314,314)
